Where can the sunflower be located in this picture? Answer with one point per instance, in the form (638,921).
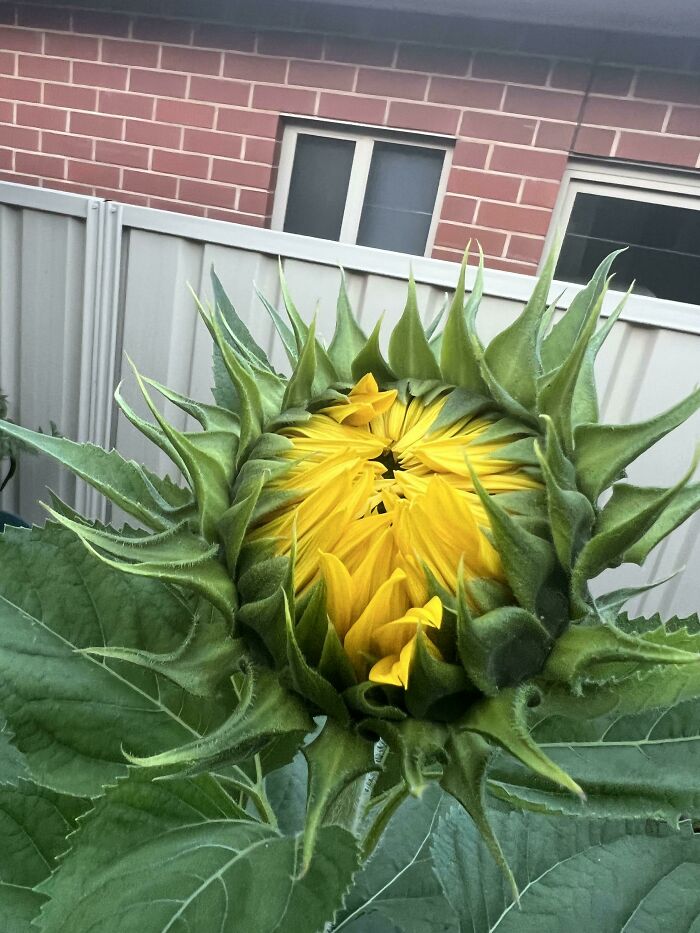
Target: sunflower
(401,544)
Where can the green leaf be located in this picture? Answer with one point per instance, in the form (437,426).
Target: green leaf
(396,889)
(603,451)
(633,499)
(369,359)
(13,764)
(285,334)
(229,314)
(70,713)
(337,758)
(513,356)
(584,875)
(348,339)
(557,345)
(196,873)
(123,482)
(458,361)
(410,355)
(325,371)
(265,711)
(34,824)
(300,388)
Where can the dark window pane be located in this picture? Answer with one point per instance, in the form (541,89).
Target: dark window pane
(319,186)
(400,197)
(663,258)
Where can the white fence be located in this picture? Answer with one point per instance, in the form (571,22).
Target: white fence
(82,280)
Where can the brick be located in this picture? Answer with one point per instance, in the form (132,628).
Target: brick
(8,63)
(668,86)
(283,99)
(197,61)
(126,104)
(518,69)
(118,153)
(218,36)
(428,117)
(162,30)
(484,185)
(458,235)
(43,165)
(93,124)
(124,197)
(19,137)
(39,66)
(481,95)
(47,118)
(526,249)
(434,60)
(6,158)
(607,79)
(220,90)
(570,76)
(528,162)
(71,186)
(185,112)
(77,147)
(470,154)
(104,76)
(510,265)
(160,83)
(19,179)
(150,133)
(251,201)
(322,75)
(663,150)
(447,255)
(211,143)
(100,24)
(70,96)
(500,127)
(202,192)
(513,217)
(352,107)
(358,51)
(248,122)
(19,40)
(162,204)
(560,105)
(593,141)
(633,114)
(71,46)
(236,217)
(291,44)
(255,68)
(540,193)
(555,135)
(242,173)
(162,186)
(180,163)
(390,83)
(685,121)
(260,150)
(117,52)
(20,89)
(41,17)
(92,173)
(458,210)
(7,13)
(7,110)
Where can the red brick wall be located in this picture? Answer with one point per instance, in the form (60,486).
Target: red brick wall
(182,116)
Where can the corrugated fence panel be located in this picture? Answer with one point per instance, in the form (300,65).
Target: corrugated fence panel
(42,290)
(650,361)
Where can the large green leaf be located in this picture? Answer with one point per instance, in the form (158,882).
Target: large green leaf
(584,875)
(34,823)
(167,857)
(396,889)
(71,713)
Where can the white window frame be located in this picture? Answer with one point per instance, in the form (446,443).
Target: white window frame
(364,136)
(676,189)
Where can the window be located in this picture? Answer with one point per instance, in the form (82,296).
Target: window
(380,190)
(656,215)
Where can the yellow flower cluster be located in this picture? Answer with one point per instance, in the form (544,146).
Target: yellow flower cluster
(380,499)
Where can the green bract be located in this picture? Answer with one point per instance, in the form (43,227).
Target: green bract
(233,662)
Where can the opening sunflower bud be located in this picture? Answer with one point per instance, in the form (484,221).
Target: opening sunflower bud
(381,505)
